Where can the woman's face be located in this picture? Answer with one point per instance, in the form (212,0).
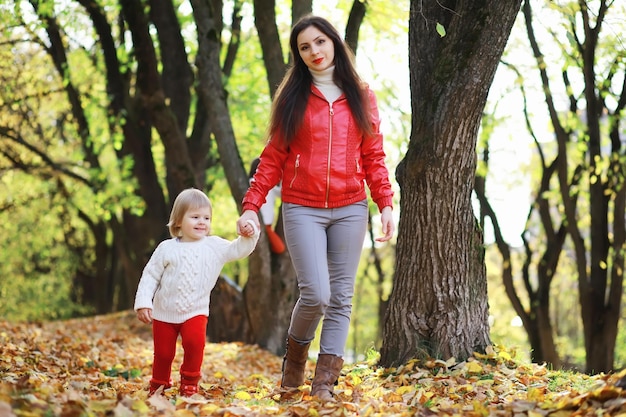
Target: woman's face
(316,49)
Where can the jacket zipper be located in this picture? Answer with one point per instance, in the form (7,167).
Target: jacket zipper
(295,173)
(331,113)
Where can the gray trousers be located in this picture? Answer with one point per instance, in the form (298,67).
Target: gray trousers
(325,246)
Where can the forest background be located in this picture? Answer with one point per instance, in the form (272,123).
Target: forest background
(50,213)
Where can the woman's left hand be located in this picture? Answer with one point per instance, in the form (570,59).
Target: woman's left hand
(389,227)
(248,224)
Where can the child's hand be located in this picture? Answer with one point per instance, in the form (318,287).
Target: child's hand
(145,315)
(248,224)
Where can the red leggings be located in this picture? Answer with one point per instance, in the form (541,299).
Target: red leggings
(193,335)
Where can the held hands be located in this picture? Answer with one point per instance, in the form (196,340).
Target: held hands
(145,315)
(248,224)
(386,218)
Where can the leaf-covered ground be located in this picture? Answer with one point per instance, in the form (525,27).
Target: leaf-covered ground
(101,366)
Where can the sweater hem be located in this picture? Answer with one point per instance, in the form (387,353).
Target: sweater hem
(177,318)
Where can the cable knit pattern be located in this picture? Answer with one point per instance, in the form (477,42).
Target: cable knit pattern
(177,280)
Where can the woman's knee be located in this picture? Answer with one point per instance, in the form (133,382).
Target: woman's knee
(316,303)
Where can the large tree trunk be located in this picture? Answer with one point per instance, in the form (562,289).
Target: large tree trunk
(265,22)
(438,306)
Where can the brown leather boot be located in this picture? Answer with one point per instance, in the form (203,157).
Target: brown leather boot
(327,372)
(294,363)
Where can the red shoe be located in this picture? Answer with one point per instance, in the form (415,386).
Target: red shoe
(155,385)
(187,390)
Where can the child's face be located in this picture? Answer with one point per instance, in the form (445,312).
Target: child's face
(196,224)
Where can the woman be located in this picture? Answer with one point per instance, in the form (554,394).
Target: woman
(324,141)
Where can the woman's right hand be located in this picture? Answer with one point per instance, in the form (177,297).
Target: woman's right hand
(248,215)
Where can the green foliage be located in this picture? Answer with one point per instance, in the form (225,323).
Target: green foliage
(441,30)
(36,270)
(557,379)
(248,98)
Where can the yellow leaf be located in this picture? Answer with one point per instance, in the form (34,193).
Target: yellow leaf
(356,380)
(243,395)
(140,406)
(504,355)
(474,367)
(377,392)
(101,406)
(209,409)
(480,408)
(535,394)
(467,387)
(404,389)
(481,355)
(184,413)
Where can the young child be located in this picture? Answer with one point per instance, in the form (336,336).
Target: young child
(175,287)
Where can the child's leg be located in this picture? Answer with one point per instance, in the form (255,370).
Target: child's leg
(164,335)
(193,334)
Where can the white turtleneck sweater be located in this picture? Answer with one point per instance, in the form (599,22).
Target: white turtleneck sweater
(323,80)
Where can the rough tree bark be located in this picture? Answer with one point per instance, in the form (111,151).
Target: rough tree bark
(438,306)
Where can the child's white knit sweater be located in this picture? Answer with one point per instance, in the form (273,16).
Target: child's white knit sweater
(176,282)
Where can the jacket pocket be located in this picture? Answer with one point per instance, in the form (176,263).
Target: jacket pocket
(295,170)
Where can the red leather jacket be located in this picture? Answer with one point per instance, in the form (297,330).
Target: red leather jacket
(327,161)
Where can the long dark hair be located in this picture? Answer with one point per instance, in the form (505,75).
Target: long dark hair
(293,93)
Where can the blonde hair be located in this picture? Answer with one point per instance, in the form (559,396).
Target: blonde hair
(188,199)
